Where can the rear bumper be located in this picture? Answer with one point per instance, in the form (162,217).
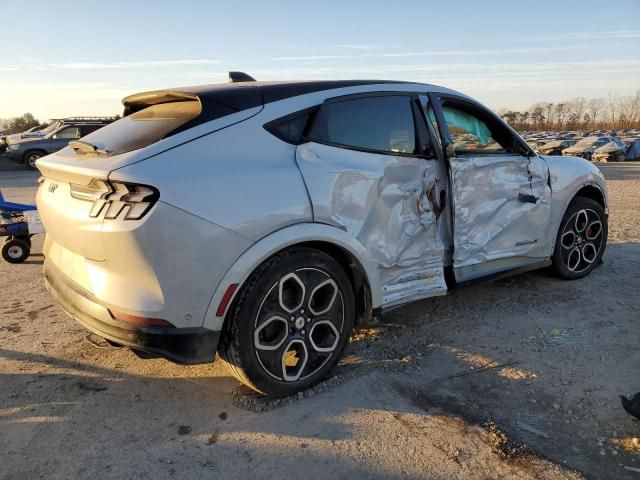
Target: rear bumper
(181,345)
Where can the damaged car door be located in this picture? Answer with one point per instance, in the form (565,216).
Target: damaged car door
(500,192)
(370,170)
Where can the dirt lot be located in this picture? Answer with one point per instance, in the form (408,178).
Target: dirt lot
(485,383)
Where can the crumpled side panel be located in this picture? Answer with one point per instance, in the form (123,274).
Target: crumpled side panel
(382,201)
(491,222)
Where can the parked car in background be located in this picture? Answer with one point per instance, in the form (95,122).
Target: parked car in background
(301,210)
(29,150)
(33,132)
(614,151)
(633,148)
(555,147)
(585,147)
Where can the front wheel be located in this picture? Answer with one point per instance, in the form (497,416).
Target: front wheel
(30,159)
(587,156)
(581,239)
(15,250)
(290,323)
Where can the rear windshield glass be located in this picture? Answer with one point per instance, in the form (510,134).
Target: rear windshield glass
(142,128)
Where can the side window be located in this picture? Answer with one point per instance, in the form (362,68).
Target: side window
(472,131)
(70,132)
(291,128)
(87,129)
(382,123)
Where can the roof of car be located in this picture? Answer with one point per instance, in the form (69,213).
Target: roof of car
(242,95)
(219,100)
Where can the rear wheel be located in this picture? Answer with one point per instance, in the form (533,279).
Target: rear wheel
(587,156)
(31,157)
(581,239)
(15,250)
(620,157)
(290,323)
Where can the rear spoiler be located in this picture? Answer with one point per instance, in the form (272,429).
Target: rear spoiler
(139,101)
(216,101)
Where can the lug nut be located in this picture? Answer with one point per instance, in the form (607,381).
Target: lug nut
(302,331)
(308,320)
(292,319)
(302,312)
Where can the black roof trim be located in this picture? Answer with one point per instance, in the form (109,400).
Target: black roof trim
(223,99)
(280,91)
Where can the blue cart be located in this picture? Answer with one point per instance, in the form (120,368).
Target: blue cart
(14,225)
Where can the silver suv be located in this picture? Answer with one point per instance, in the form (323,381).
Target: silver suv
(264,221)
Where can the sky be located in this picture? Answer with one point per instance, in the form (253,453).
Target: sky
(68,58)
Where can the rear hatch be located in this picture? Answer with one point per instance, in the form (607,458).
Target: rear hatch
(75,178)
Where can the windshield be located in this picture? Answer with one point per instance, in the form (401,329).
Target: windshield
(50,128)
(143,128)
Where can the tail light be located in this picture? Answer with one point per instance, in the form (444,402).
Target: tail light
(131,200)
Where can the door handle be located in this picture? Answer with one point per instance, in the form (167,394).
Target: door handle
(527,198)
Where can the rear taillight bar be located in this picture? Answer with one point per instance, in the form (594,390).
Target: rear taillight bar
(131,200)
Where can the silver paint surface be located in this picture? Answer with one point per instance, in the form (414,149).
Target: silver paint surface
(382,201)
(243,195)
(490,220)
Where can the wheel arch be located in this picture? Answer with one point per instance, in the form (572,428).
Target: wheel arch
(337,243)
(32,150)
(356,273)
(593,192)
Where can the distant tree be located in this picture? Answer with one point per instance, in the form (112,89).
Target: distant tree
(537,116)
(578,106)
(549,108)
(612,103)
(561,110)
(19,124)
(595,106)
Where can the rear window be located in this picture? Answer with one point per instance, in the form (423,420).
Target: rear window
(143,128)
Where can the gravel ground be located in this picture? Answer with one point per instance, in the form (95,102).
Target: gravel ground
(517,378)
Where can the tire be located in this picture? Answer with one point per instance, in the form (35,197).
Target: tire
(581,239)
(620,157)
(30,158)
(587,156)
(15,250)
(25,238)
(281,316)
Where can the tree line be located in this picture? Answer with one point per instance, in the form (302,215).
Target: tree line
(579,113)
(18,124)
